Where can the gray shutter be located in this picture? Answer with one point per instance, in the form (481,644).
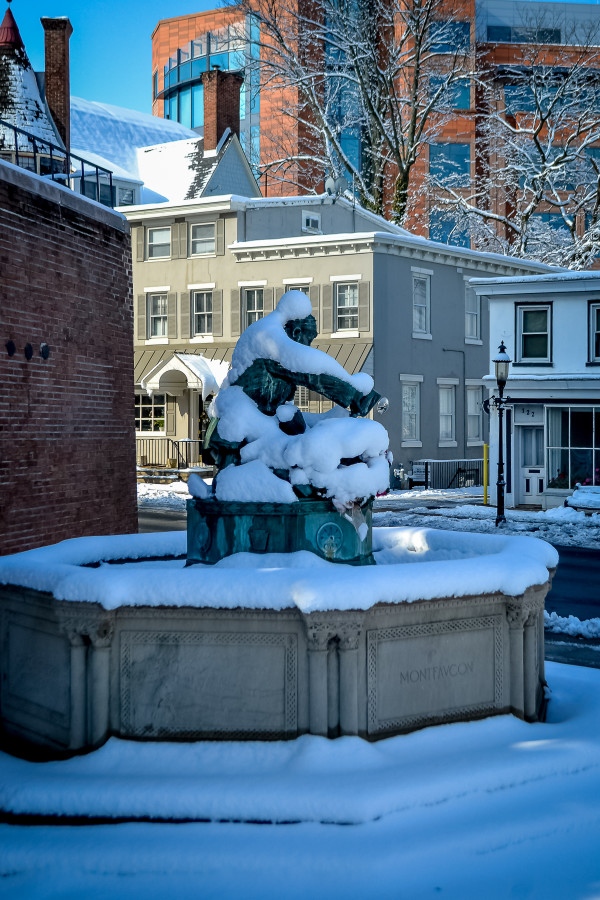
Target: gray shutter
(314,401)
(217,313)
(139,242)
(181,245)
(267,300)
(172,315)
(235,312)
(327,309)
(184,314)
(220,237)
(364,318)
(313,293)
(170,415)
(142,334)
(279,292)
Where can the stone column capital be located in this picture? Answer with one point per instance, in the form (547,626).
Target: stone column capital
(97,626)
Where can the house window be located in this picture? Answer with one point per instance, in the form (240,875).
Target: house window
(447,413)
(411,411)
(254,305)
(595,332)
(573,446)
(534,339)
(475,414)
(126,196)
(202,239)
(150,413)
(301,398)
(157,314)
(346,307)
(457,95)
(202,306)
(472,314)
(311,222)
(421,304)
(305,288)
(159,243)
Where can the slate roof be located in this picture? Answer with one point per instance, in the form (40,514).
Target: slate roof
(21,103)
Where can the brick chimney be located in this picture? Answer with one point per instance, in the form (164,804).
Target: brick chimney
(57,82)
(221,105)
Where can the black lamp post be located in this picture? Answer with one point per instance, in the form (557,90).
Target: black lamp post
(501,363)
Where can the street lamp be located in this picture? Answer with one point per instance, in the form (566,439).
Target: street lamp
(501,363)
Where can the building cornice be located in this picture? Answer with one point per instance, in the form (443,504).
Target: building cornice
(380,242)
(561,283)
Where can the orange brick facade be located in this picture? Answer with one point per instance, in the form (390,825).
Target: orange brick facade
(67,443)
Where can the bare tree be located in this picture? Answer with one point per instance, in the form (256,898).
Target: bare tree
(361,85)
(536,192)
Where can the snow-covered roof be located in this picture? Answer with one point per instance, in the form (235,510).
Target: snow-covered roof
(98,160)
(201,374)
(21,103)
(116,133)
(561,281)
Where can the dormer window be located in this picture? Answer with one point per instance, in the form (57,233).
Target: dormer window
(311,222)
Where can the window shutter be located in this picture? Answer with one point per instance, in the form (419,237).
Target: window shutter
(314,400)
(313,293)
(235,312)
(220,237)
(363,306)
(184,314)
(279,292)
(141,317)
(327,309)
(172,315)
(267,300)
(170,417)
(139,243)
(217,313)
(182,248)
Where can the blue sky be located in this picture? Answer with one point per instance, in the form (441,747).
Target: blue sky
(111,49)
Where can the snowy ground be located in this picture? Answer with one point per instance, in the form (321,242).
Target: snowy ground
(493,809)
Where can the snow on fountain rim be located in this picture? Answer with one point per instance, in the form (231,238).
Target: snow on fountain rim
(412,564)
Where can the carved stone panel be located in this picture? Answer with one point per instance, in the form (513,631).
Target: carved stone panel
(37,679)
(211,684)
(433,672)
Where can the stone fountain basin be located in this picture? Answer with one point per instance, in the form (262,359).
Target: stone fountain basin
(115,636)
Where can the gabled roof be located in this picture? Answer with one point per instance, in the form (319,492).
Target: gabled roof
(21,103)
(182,170)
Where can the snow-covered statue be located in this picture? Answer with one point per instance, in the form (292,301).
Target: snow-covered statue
(267,451)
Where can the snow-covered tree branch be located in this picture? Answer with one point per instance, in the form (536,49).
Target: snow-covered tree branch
(536,192)
(363,85)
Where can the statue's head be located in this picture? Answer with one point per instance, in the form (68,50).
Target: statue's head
(303,331)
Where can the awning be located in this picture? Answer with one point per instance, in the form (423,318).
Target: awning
(185,371)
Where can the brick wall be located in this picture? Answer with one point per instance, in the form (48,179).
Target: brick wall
(67,443)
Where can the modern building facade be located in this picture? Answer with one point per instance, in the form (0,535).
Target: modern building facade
(495,31)
(386,302)
(550,325)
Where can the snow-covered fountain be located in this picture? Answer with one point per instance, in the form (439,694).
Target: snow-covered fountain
(283,612)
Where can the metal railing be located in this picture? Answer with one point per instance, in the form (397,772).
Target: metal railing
(168,453)
(50,160)
(442,474)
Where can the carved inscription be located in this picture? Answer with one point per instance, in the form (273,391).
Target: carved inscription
(433,672)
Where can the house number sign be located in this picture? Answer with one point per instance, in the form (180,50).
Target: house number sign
(528,415)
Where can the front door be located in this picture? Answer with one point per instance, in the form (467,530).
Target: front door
(533,475)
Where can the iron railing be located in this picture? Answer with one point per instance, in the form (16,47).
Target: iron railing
(443,474)
(50,160)
(168,453)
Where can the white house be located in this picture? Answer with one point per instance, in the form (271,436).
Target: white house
(550,325)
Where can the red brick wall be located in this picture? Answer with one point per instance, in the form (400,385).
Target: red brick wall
(67,443)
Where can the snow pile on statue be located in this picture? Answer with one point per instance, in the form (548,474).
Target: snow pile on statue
(265,448)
